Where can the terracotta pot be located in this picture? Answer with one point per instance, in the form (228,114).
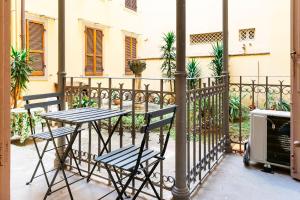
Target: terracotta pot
(117,101)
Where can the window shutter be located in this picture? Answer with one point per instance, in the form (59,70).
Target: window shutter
(127,54)
(89,63)
(99,63)
(94,52)
(130,52)
(35,44)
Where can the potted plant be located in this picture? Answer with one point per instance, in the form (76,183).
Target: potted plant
(137,67)
(115,98)
(20,72)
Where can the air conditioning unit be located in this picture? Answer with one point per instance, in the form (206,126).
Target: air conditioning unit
(269,141)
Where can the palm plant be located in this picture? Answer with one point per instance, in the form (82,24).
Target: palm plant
(20,72)
(169,57)
(217,61)
(193,72)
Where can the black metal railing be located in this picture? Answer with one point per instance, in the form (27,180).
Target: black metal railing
(205,135)
(205,122)
(248,93)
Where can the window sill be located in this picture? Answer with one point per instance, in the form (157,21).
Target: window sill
(38,78)
(129,10)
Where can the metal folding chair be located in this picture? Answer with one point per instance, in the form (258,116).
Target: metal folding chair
(132,159)
(42,101)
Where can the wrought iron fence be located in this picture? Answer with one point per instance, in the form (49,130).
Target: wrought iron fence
(205,136)
(248,93)
(205,122)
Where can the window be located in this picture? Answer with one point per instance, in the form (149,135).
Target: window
(206,38)
(247,34)
(36,44)
(93,52)
(130,52)
(131,4)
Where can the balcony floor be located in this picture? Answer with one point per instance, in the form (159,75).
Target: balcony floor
(230,181)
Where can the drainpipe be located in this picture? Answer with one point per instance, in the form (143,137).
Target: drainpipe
(61,74)
(23,24)
(180,190)
(225,73)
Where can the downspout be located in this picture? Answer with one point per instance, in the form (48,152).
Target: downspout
(23,25)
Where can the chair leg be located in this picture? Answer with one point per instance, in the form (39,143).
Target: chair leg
(114,183)
(120,181)
(126,185)
(62,164)
(90,174)
(147,179)
(40,162)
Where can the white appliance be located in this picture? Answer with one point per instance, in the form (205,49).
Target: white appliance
(269,141)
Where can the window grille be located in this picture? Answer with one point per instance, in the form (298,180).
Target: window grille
(35,42)
(247,34)
(93,52)
(206,38)
(131,4)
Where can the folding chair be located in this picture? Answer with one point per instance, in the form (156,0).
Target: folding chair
(132,159)
(42,101)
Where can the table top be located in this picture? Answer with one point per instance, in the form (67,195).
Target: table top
(83,115)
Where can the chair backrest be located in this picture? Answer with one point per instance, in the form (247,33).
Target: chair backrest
(155,120)
(41,101)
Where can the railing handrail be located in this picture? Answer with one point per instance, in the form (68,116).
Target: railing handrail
(144,78)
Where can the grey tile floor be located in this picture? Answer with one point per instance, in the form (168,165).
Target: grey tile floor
(229,181)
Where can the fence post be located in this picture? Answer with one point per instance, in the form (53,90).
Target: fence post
(240,113)
(253,95)
(267,92)
(280,95)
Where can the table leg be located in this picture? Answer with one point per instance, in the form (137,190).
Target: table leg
(96,127)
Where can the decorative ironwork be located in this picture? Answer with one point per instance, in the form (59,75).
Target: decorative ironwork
(206,38)
(205,122)
(247,34)
(257,92)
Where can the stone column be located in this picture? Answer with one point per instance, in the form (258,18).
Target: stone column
(225,73)
(180,190)
(61,74)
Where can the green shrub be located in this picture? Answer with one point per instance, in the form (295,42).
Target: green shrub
(234,108)
(85,102)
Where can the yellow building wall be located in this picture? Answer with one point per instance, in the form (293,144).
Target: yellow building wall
(267,55)
(270,49)
(111,17)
